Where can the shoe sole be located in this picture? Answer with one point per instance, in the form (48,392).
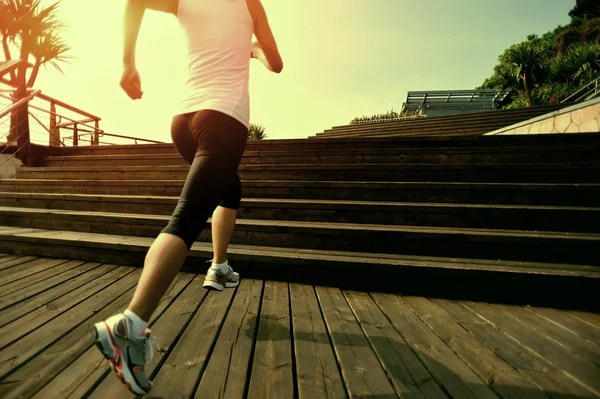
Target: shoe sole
(213,285)
(102,338)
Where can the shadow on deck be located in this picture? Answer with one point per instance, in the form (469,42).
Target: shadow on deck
(286,340)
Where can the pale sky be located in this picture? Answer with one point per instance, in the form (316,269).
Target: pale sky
(342,58)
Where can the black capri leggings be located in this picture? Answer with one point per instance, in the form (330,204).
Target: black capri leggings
(213,143)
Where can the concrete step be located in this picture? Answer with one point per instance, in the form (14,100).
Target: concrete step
(513,172)
(444,155)
(463,278)
(489,216)
(559,194)
(517,245)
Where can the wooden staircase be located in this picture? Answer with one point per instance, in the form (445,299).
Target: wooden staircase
(513,218)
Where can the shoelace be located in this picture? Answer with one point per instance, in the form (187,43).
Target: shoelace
(150,349)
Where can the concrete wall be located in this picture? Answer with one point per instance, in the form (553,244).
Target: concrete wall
(579,118)
(9,169)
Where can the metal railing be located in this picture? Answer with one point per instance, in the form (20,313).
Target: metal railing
(6,113)
(477,99)
(83,126)
(587,92)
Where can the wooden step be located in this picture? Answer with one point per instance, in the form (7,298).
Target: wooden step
(444,155)
(463,129)
(458,118)
(424,126)
(514,172)
(411,240)
(409,275)
(560,194)
(559,218)
(352,143)
(467,129)
(505,117)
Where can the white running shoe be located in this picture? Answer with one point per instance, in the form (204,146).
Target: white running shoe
(127,355)
(218,280)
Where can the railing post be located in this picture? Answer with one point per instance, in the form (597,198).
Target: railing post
(75,135)
(96,133)
(54,132)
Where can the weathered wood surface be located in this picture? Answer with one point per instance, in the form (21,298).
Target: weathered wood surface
(280,340)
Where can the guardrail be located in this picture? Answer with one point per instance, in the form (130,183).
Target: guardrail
(47,119)
(585,93)
(19,139)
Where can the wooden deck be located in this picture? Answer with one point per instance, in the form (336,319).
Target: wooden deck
(270,339)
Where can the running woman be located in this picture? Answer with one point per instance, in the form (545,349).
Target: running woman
(210,130)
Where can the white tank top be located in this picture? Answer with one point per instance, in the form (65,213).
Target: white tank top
(219,36)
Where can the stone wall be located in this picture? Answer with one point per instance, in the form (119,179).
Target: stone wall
(579,118)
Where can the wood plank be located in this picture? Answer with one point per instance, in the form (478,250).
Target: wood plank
(592,319)
(449,370)
(27,286)
(179,375)
(564,337)
(36,373)
(499,375)
(317,371)
(228,366)
(580,369)
(20,327)
(167,328)
(27,269)
(363,374)
(90,368)
(576,325)
(272,366)
(45,298)
(11,260)
(408,375)
(16,261)
(16,353)
(544,374)
(75,380)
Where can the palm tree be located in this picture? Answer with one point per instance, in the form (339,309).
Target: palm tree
(527,60)
(256,132)
(34,32)
(585,61)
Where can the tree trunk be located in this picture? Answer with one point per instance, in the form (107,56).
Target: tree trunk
(19,118)
(528,101)
(14,123)
(23,141)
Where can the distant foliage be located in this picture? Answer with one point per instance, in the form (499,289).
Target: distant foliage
(547,69)
(585,9)
(389,115)
(256,132)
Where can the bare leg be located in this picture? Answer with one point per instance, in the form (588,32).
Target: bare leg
(163,262)
(222,225)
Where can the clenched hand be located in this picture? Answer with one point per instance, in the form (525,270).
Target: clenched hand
(131,83)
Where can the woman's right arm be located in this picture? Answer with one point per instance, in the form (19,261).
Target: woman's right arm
(264,35)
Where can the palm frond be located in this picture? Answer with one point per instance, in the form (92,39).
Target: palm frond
(256,132)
